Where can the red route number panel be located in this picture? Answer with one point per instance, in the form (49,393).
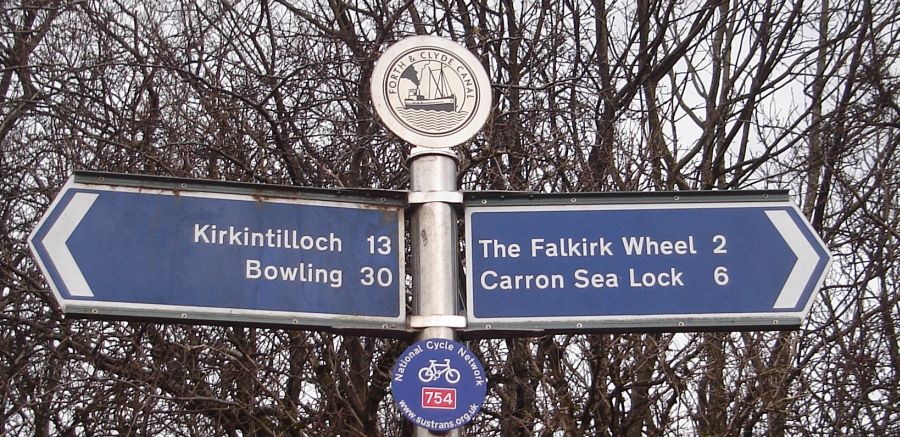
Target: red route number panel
(443,398)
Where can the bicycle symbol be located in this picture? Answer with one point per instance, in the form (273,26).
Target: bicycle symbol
(436,371)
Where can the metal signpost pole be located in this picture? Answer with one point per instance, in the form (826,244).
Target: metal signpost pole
(434,94)
(434,246)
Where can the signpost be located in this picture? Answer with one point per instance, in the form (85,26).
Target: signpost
(673,261)
(188,250)
(434,94)
(152,248)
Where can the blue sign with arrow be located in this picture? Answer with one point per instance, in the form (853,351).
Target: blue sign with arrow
(175,253)
(696,263)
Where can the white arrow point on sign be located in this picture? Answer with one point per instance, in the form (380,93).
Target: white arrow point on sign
(807,258)
(55,243)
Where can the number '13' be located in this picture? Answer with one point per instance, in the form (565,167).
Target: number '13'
(380,245)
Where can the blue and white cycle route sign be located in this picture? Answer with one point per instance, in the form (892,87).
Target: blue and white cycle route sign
(438,384)
(689,261)
(201,250)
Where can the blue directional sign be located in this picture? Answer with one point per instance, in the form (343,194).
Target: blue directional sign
(642,263)
(229,255)
(438,384)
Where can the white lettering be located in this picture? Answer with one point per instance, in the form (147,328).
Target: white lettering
(200,233)
(273,238)
(648,246)
(586,279)
(490,280)
(252,271)
(495,249)
(671,278)
(303,272)
(571,247)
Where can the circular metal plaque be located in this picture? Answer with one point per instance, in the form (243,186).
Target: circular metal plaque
(438,384)
(431,92)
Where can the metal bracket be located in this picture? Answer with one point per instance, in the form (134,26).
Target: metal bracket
(419,197)
(443,321)
(424,151)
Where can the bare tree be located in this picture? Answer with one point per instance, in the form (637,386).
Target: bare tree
(588,96)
